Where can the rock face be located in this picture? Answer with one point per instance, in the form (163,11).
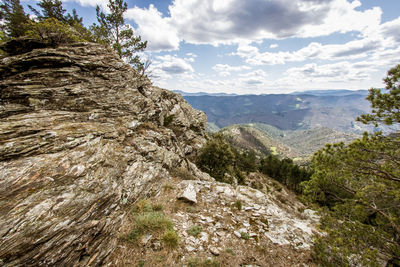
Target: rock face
(82,136)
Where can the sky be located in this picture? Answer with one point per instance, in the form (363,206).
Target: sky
(262,46)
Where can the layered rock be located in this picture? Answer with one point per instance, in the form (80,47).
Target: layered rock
(82,136)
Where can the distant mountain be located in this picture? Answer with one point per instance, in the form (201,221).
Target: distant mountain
(201,93)
(299,145)
(284,111)
(332,92)
(336,110)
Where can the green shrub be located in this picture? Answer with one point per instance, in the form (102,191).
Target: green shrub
(194,230)
(216,158)
(53,32)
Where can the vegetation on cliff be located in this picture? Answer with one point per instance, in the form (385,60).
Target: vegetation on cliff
(226,163)
(53,26)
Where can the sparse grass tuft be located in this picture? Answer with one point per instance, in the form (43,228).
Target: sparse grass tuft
(198,262)
(230,251)
(194,230)
(170,238)
(168,186)
(153,221)
(277,186)
(238,204)
(244,235)
(150,218)
(168,120)
(182,173)
(191,209)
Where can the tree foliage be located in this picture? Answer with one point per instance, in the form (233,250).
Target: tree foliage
(360,186)
(14,18)
(113,31)
(216,158)
(285,171)
(385,106)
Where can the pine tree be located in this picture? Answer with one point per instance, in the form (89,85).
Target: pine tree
(113,31)
(49,9)
(386,106)
(360,186)
(15,19)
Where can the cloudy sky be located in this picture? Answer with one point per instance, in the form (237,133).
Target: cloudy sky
(263,46)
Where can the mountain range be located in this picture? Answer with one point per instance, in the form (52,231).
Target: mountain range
(334,109)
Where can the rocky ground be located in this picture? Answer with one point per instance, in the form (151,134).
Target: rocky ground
(235,226)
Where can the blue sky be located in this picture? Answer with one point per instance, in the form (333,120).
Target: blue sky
(263,46)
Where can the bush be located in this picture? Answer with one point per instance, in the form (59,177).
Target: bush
(53,32)
(216,158)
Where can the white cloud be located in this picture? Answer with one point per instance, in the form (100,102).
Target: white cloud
(170,65)
(254,78)
(228,68)
(211,22)
(273,46)
(350,50)
(101,3)
(159,33)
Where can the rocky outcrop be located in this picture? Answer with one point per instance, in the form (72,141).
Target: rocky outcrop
(82,136)
(232,225)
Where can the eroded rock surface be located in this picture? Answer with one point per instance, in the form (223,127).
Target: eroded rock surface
(82,136)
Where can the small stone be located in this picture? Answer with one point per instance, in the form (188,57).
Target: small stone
(214,251)
(190,248)
(237,234)
(246,224)
(146,238)
(204,237)
(189,194)
(243,230)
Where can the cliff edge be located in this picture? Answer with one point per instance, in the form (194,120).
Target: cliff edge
(82,136)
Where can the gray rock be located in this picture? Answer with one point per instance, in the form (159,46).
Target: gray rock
(215,251)
(81,139)
(189,193)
